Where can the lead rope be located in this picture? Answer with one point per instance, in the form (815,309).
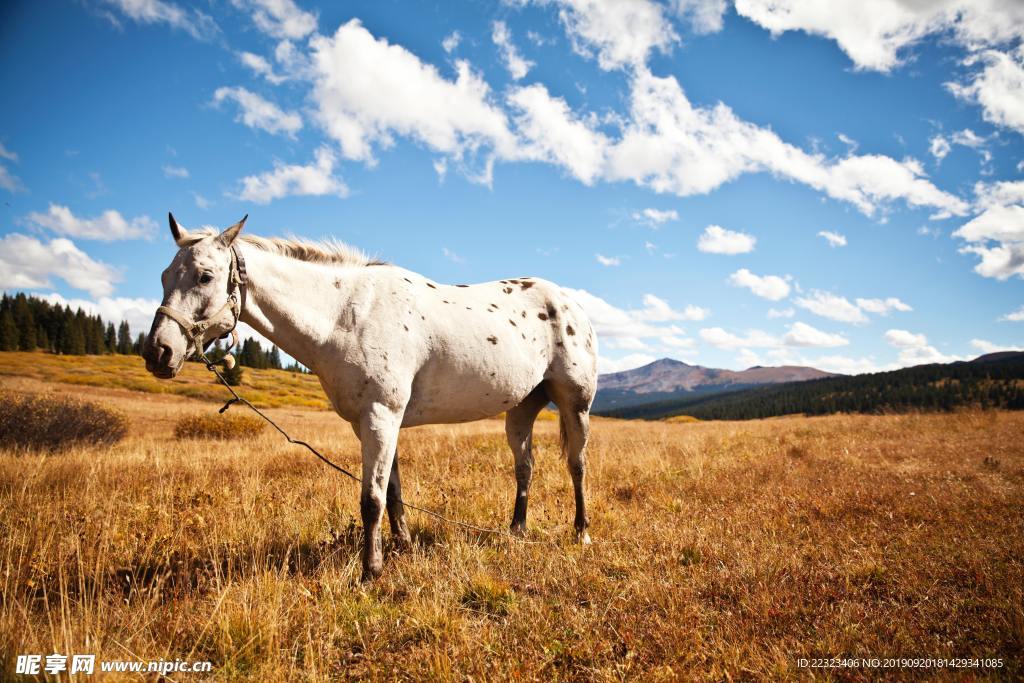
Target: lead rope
(236,398)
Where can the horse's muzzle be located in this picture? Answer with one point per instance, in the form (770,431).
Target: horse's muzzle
(160,361)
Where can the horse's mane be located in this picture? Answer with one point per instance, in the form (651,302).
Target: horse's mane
(324,251)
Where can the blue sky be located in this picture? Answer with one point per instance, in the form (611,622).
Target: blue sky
(727,184)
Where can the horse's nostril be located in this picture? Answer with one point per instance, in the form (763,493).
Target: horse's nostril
(165,354)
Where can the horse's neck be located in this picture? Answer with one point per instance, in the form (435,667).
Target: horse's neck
(290,302)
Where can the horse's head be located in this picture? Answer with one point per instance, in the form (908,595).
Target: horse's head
(201,298)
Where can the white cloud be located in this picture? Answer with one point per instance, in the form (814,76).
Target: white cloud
(641,330)
(1003,225)
(717,240)
(998,87)
(517,65)
(722,339)
(452,256)
(968,138)
(658,310)
(28,263)
(201,201)
(831,306)
(195,23)
(840,308)
(669,145)
(781,313)
(608,260)
(705,16)
(621,33)
(628,362)
(996,234)
(175,172)
(902,339)
(1016,316)
(988,347)
(8,180)
(109,226)
(138,312)
(798,335)
(367,90)
(915,350)
(279,18)
(551,132)
(1001,193)
(451,41)
(939,147)
(678,342)
(771,287)
(261,67)
(655,218)
(830,363)
(873,33)
(256,112)
(802,334)
(834,239)
(316,179)
(883,306)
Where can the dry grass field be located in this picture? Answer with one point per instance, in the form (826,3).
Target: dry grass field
(722,551)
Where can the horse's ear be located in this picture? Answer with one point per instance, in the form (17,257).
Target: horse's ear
(229,235)
(177,232)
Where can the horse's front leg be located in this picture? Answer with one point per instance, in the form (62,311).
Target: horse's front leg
(378,432)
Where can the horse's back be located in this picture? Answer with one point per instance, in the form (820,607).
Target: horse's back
(488,345)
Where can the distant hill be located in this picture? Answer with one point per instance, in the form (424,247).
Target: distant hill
(668,379)
(994,380)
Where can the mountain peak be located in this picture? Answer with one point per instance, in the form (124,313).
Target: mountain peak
(667,376)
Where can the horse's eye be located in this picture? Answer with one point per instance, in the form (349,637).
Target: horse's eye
(206,278)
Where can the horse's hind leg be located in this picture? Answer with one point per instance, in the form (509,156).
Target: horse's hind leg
(519,430)
(575,430)
(573,401)
(396,511)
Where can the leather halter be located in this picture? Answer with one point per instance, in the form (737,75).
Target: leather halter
(196,330)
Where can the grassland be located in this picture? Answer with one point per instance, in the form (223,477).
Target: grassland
(722,550)
(265,388)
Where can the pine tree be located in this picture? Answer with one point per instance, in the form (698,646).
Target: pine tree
(140,344)
(124,338)
(275,358)
(110,339)
(76,338)
(8,331)
(25,322)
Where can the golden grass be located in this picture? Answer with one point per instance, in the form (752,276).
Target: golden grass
(265,388)
(722,551)
(229,426)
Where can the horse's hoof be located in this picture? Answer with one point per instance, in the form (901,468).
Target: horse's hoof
(583,538)
(518,530)
(372,572)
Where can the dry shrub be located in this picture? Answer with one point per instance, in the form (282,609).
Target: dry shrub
(683,419)
(218,426)
(54,423)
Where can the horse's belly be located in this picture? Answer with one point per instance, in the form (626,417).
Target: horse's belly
(463,394)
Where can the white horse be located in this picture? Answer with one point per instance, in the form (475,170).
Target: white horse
(391,349)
